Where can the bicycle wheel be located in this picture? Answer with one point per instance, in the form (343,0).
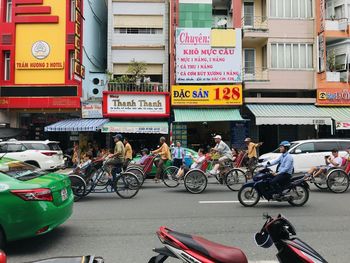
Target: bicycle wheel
(338,181)
(321,182)
(126,185)
(78,186)
(235,179)
(103,177)
(169,176)
(195,181)
(299,195)
(138,172)
(248,196)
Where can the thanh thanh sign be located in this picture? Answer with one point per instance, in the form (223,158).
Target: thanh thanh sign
(136,104)
(197,61)
(213,95)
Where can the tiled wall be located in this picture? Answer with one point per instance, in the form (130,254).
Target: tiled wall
(195,15)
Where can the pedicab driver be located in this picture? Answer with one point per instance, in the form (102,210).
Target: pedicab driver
(284,169)
(224,151)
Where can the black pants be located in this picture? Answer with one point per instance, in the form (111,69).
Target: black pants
(177,162)
(279,181)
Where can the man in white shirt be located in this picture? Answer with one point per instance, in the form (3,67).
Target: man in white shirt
(224,151)
(332,161)
(197,164)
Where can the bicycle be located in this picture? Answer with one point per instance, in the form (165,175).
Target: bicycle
(125,184)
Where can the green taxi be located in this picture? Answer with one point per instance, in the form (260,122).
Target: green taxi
(32,202)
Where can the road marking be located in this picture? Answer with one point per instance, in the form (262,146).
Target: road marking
(226,202)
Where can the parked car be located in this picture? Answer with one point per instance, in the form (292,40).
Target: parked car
(309,153)
(33,201)
(42,154)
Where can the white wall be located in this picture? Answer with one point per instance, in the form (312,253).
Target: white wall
(120,8)
(148,56)
(138,39)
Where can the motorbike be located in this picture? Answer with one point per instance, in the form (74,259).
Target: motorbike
(78,259)
(296,192)
(194,249)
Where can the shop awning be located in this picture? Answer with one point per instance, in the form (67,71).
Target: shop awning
(199,115)
(289,114)
(76,125)
(136,127)
(341,114)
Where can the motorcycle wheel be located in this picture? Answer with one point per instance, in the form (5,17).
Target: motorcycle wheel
(300,195)
(235,179)
(195,181)
(338,181)
(169,177)
(248,196)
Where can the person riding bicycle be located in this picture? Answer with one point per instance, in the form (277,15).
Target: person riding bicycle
(224,151)
(197,163)
(332,161)
(116,160)
(285,167)
(164,153)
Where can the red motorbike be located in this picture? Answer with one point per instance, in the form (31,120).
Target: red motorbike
(194,249)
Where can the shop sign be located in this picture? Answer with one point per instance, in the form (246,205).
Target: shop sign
(214,95)
(198,62)
(135,104)
(333,96)
(342,125)
(79,69)
(148,130)
(321,53)
(40,103)
(91,110)
(322,15)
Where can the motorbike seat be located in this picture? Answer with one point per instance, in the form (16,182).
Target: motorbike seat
(216,252)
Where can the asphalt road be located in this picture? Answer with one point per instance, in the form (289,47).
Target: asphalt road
(124,230)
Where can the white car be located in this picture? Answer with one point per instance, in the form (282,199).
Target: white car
(46,155)
(309,153)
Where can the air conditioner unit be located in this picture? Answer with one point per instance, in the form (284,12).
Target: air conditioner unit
(95,92)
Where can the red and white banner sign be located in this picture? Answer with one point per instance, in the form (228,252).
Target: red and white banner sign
(343,125)
(136,104)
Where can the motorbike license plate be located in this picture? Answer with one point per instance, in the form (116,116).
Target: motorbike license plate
(64,194)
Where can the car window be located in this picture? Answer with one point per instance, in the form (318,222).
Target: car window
(325,146)
(308,147)
(54,147)
(20,170)
(15,147)
(3,148)
(37,146)
(343,145)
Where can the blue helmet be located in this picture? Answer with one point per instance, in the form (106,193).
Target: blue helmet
(285,143)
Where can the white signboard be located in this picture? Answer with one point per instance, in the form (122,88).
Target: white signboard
(198,62)
(343,125)
(91,110)
(147,104)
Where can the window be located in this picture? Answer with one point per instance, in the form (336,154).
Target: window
(248,10)
(291,8)
(37,146)
(264,56)
(339,12)
(325,146)
(298,56)
(249,61)
(15,147)
(8,11)
(7,65)
(71,64)
(3,148)
(72,10)
(306,147)
(343,145)
(148,31)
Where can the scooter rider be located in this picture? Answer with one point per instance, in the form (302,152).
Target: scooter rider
(284,171)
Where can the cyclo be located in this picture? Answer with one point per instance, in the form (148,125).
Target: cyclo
(336,179)
(96,178)
(196,180)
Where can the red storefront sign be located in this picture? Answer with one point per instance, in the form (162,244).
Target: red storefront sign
(39,103)
(136,104)
(333,97)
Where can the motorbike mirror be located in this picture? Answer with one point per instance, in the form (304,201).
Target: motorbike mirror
(263,239)
(266,216)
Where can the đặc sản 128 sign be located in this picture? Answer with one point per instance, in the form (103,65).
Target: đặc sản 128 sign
(213,95)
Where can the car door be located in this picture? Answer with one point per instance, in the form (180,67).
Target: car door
(304,157)
(17,151)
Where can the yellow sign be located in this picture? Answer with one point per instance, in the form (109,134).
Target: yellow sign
(223,38)
(42,45)
(214,95)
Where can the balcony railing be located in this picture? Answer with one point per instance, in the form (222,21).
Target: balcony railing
(254,23)
(337,24)
(149,87)
(255,74)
